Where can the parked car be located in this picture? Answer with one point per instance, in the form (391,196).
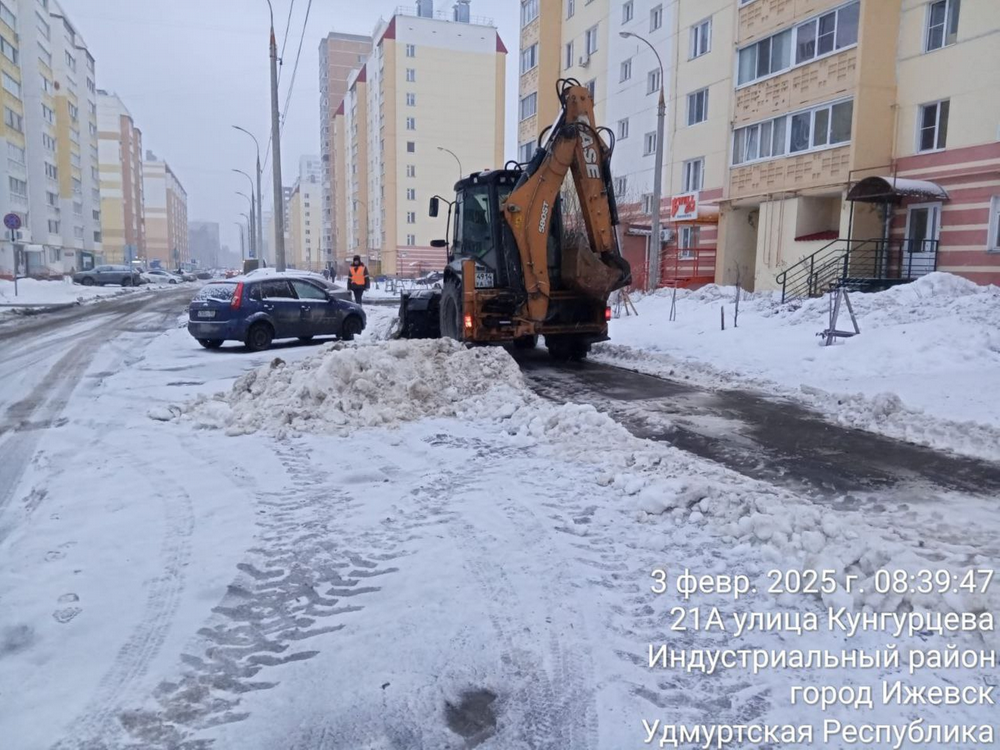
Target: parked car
(262,309)
(203,275)
(101,275)
(183,275)
(159,276)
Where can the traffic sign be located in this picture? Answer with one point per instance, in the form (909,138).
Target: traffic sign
(12,222)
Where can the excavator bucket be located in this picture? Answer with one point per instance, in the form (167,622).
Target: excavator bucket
(585,273)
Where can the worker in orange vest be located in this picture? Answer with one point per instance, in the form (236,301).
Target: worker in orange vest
(358,279)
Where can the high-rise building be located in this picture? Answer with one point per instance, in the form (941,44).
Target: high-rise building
(165,211)
(14,183)
(120,154)
(305,212)
(340,139)
(339,55)
(204,244)
(401,124)
(269,238)
(541,65)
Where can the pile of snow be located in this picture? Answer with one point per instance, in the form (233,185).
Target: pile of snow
(923,368)
(41,292)
(350,386)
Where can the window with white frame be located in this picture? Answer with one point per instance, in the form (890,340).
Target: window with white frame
(570,8)
(411,147)
(411,123)
(591,40)
(649,144)
(411,194)
(529,12)
(411,239)
(626,71)
(53,226)
(942,24)
(932,126)
(7,16)
(525,151)
(647,203)
(656,18)
(653,81)
(529,106)
(411,217)
(592,88)
(697,107)
(694,175)
(621,185)
(623,129)
(411,50)
(411,100)
(49,142)
(569,55)
(701,38)
(827,33)
(411,75)
(688,241)
(15,154)
(628,11)
(529,58)
(411,170)
(809,130)
(993,241)
(9,50)
(767,56)
(12,119)
(11,85)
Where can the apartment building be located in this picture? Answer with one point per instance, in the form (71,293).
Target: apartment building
(204,243)
(14,182)
(586,30)
(306,217)
(401,121)
(166,215)
(342,249)
(120,164)
(541,64)
(269,228)
(339,55)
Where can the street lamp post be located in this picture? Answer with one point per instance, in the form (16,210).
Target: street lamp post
(255,211)
(249,230)
(653,277)
(279,199)
(260,192)
(461,174)
(243,249)
(253,244)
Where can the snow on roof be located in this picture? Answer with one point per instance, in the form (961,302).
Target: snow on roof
(872,188)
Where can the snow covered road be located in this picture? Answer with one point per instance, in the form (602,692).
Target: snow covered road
(453,565)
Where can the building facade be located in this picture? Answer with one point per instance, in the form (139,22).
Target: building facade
(306,217)
(540,66)
(403,140)
(166,216)
(204,244)
(122,203)
(339,55)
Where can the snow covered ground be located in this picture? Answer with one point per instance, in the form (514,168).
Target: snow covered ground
(39,292)
(923,369)
(398,545)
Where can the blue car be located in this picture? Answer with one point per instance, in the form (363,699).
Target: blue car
(258,310)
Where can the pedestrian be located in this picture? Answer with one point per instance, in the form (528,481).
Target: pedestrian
(358,279)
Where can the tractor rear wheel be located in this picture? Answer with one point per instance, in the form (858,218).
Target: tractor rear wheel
(567,348)
(451,310)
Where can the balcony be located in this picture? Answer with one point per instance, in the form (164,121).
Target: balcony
(443,15)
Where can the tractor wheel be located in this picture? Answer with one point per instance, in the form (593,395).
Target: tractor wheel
(451,310)
(567,348)
(525,343)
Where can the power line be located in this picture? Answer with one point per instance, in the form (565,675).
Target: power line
(288,27)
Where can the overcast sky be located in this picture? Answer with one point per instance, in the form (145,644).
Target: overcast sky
(190,69)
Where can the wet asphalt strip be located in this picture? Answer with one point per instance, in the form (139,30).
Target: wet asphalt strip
(762,437)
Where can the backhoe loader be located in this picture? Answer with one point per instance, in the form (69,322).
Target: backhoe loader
(514,272)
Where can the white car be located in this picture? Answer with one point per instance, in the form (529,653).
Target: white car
(159,276)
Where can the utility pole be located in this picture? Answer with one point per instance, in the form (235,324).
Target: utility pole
(279,198)
(260,194)
(249,224)
(243,249)
(653,277)
(253,245)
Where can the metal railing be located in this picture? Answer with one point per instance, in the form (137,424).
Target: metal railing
(687,264)
(444,15)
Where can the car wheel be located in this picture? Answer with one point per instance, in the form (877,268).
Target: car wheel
(87,281)
(305,339)
(211,343)
(259,337)
(126,282)
(352,327)
(172,281)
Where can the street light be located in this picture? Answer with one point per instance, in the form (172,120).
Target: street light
(448,150)
(279,207)
(243,249)
(255,208)
(653,279)
(260,192)
(253,245)
(249,224)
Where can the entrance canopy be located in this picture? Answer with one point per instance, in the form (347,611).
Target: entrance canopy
(894,189)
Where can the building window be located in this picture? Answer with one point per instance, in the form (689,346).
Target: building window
(569,55)
(570,8)
(649,144)
(411,239)
(653,81)
(411,147)
(52,199)
(411,123)
(53,226)
(529,58)
(525,151)
(647,204)
(411,75)
(697,107)
(8,17)
(626,72)
(993,242)
(411,194)
(411,50)
(46,85)
(12,119)
(70,62)
(411,217)
(628,11)
(9,50)
(10,85)
(411,100)
(592,88)
(687,242)
(767,56)
(942,24)
(411,170)
(529,12)
(623,129)
(15,154)
(18,187)
(621,185)
(48,114)
(694,175)
(932,127)
(830,32)
(701,38)
(529,106)
(49,142)
(829,125)
(656,18)
(591,40)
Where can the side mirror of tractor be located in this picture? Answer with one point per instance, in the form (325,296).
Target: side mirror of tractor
(435,206)
(439,243)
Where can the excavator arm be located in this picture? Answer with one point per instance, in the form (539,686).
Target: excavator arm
(573,144)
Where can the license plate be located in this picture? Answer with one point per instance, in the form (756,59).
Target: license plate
(484,280)
(206,313)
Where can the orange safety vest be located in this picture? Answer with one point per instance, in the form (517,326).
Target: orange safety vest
(357,275)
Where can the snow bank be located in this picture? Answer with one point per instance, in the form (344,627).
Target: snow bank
(921,370)
(38,292)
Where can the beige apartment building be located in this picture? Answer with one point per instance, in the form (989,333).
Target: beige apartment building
(305,217)
(339,55)
(122,203)
(166,216)
(541,64)
(426,108)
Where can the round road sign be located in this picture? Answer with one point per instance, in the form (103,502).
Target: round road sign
(12,221)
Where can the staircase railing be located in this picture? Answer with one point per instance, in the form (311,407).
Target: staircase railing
(812,275)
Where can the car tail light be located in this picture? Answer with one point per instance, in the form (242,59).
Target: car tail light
(607,314)
(237,297)
(468,322)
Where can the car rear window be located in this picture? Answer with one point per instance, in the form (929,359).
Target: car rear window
(223,292)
